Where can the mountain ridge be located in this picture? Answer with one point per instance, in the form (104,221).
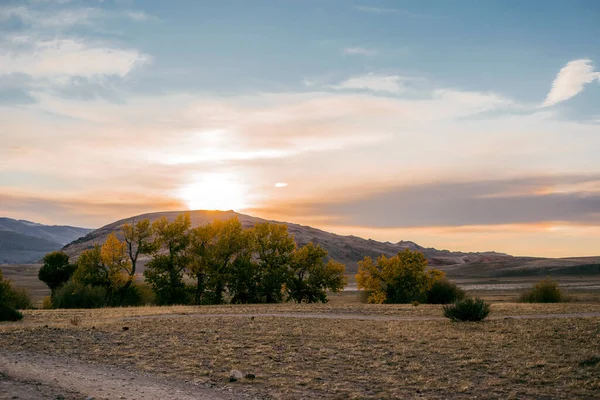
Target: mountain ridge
(346,249)
(23,241)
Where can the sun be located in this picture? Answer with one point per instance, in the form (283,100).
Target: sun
(213,192)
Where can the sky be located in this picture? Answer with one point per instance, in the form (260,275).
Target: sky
(464,125)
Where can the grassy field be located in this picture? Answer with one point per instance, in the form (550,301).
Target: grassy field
(333,358)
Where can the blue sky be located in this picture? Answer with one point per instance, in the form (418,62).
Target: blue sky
(465,125)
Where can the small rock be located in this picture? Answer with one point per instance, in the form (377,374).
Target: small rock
(89,398)
(250,376)
(235,375)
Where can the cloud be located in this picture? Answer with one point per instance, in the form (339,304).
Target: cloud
(373,82)
(60,57)
(361,51)
(567,199)
(570,81)
(376,10)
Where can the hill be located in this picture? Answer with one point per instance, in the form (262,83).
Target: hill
(346,249)
(26,242)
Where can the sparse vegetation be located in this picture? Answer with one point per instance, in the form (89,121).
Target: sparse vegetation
(467,309)
(380,359)
(444,291)
(399,279)
(545,291)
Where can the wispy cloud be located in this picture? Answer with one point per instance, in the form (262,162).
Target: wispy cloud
(376,10)
(372,82)
(571,80)
(69,57)
(360,51)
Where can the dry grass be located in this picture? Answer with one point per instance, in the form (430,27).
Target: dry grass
(329,358)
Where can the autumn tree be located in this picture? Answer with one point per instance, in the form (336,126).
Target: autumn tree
(311,276)
(106,266)
(137,236)
(274,251)
(56,269)
(166,270)
(399,279)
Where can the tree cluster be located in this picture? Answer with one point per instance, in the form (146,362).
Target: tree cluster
(214,263)
(403,278)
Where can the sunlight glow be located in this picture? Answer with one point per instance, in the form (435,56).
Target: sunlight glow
(214,192)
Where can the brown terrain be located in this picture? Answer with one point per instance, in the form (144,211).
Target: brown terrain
(350,249)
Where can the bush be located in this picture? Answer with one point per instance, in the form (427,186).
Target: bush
(78,295)
(138,294)
(9,314)
(19,298)
(47,303)
(545,291)
(444,291)
(468,309)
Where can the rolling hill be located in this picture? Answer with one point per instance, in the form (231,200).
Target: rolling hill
(346,249)
(27,242)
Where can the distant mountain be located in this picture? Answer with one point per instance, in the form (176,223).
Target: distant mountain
(27,242)
(346,249)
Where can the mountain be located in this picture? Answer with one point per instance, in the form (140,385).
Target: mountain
(346,249)
(26,242)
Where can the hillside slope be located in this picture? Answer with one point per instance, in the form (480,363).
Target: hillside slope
(346,249)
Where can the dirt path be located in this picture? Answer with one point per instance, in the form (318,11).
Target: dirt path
(25,376)
(364,317)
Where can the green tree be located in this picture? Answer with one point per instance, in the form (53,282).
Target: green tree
(243,281)
(56,269)
(399,279)
(274,252)
(166,270)
(227,245)
(200,257)
(311,276)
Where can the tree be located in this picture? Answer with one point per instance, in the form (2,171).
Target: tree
(8,310)
(200,255)
(311,277)
(56,269)
(165,271)
(137,240)
(243,279)
(274,249)
(106,266)
(399,279)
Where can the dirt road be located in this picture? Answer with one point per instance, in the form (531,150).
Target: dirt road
(27,376)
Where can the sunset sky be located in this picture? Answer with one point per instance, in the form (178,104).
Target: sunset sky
(461,125)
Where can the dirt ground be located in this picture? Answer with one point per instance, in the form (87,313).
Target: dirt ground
(313,351)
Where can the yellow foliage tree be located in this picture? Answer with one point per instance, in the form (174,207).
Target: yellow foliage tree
(105,266)
(399,279)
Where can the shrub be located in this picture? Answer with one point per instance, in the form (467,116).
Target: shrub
(19,298)
(467,309)
(545,291)
(75,294)
(47,303)
(9,314)
(444,291)
(138,294)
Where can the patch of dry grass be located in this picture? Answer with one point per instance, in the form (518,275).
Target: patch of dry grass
(328,358)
